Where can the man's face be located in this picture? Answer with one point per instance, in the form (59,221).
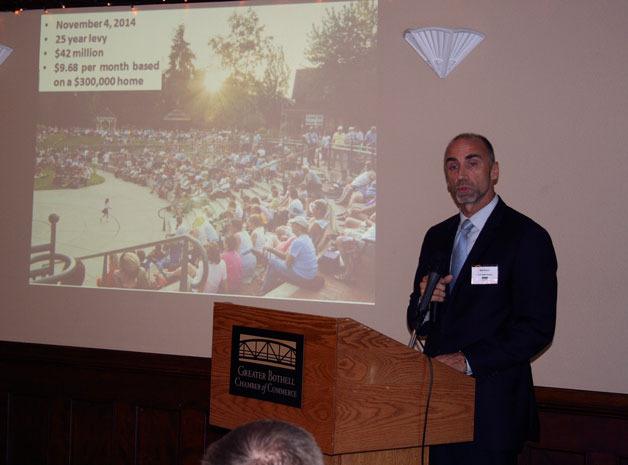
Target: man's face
(470,175)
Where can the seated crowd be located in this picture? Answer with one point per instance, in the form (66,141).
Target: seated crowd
(70,169)
(264,212)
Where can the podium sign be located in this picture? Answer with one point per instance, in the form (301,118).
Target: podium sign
(266,365)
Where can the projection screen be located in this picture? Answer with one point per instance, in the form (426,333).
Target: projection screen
(213,149)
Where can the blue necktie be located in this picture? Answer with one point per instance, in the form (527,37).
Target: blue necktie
(461,250)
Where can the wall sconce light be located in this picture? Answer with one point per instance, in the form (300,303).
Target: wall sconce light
(441,48)
(4,53)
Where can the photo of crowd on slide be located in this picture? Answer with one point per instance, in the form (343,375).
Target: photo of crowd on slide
(263,186)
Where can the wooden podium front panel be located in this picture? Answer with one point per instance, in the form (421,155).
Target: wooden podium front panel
(410,456)
(452,408)
(362,391)
(382,390)
(316,413)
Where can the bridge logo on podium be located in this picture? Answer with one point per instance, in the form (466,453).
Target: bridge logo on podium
(266,365)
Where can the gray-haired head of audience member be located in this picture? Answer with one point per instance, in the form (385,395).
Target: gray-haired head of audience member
(265,442)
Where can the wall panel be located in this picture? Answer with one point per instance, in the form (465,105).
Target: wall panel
(61,405)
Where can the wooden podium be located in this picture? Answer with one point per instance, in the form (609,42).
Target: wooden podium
(363,394)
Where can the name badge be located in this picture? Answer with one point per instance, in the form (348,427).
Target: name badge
(484,274)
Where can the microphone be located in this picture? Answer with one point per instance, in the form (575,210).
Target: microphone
(424,304)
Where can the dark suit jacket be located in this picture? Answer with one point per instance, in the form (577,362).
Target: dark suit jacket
(500,327)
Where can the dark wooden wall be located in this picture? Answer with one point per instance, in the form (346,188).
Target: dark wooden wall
(73,406)
(580,428)
(62,405)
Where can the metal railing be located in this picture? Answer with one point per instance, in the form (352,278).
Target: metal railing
(46,253)
(187,244)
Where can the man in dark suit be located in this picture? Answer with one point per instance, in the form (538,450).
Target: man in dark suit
(496,304)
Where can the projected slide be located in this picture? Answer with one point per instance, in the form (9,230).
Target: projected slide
(210,149)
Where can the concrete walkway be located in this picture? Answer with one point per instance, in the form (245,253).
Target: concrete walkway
(132,219)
